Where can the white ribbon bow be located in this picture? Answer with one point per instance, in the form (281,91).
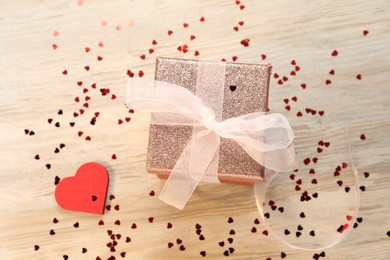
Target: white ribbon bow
(267,138)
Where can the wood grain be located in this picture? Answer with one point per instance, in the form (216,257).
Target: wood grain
(33,89)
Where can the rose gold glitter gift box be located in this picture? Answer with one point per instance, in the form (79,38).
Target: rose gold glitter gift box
(245,91)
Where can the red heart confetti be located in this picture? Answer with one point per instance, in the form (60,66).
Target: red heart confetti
(245,42)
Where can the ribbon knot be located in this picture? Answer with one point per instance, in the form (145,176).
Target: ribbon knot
(211,124)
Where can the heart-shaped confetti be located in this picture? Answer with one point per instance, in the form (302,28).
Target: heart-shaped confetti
(84,192)
(245,42)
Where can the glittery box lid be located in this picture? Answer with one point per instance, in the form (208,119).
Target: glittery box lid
(245,91)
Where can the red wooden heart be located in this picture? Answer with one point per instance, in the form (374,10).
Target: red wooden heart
(84,192)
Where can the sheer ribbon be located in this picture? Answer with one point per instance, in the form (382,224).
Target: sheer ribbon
(267,138)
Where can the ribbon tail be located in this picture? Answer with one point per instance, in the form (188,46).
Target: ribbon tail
(190,168)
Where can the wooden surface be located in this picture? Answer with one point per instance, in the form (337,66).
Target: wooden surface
(33,89)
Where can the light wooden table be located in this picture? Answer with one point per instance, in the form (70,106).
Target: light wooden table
(40,41)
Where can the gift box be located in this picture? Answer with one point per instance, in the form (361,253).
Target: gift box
(246,88)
